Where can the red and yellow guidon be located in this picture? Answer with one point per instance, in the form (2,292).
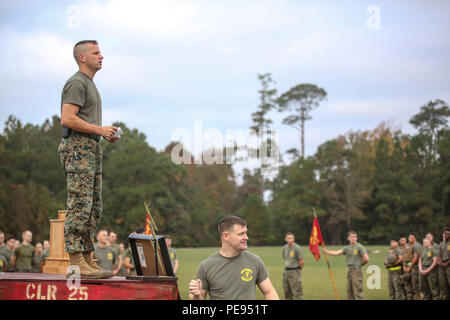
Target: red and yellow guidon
(314,239)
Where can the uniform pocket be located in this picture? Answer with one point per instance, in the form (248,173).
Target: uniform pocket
(77,157)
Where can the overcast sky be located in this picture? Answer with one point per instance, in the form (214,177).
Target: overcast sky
(170,63)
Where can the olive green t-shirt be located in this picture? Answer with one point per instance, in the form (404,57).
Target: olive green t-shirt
(427,257)
(291,255)
(354,255)
(24,256)
(80,90)
(106,257)
(444,250)
(2,263)
(172,255)
(232,278)
(36,263)
(44,255)
(127,254)
(7,254)
(116,248)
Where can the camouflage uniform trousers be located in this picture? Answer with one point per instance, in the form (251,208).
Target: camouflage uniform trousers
(430,285)
(403,284)
(81,159)
(412,283)
(395,284)
(444,282)
(355,284)
(292,285)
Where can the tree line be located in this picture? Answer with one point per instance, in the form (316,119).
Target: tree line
(379,182)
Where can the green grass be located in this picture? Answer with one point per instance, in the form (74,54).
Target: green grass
(315,276)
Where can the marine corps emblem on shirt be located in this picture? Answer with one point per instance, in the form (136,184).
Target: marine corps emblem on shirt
(291,254)
(247,274)
(355,252)
(429,254)
(110,256)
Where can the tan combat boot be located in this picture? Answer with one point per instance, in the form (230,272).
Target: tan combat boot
(86,271)
(88,257)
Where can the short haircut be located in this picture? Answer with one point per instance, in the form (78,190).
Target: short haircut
(23,233)
(227,223)
(350,233)
(428,233)
(10,238)
(168,236)
(413,234)
(289,234)
(102,230)
(77,47)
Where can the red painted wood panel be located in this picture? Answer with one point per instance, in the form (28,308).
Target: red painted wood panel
(28,286)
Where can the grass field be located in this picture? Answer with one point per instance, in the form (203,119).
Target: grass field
(315,276)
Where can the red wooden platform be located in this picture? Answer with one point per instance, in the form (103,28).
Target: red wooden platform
(40,286)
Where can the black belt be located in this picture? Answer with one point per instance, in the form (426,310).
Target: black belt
(287,269)
(95,137)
